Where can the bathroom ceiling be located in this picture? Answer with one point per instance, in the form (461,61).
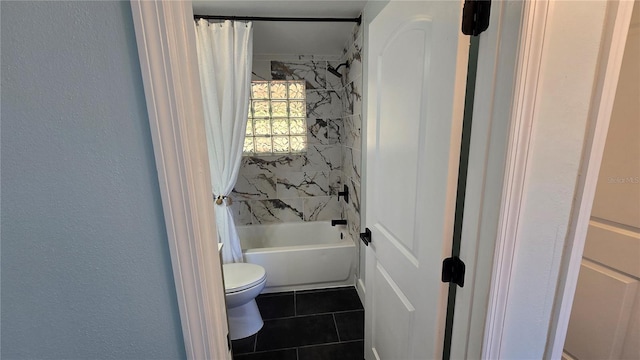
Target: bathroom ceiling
(291,38)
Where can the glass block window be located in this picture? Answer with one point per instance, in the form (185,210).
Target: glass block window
(277,118)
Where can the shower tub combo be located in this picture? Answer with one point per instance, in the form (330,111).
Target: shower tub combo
(300,256)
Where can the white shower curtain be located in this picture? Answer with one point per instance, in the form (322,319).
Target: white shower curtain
(225,52)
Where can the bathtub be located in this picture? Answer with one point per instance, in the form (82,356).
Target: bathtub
(300,256)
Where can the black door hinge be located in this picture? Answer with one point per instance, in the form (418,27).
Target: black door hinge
(366,236)
(475,16)
(228,341)
(453,271)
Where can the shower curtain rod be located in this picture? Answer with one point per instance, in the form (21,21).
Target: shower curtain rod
(264,18)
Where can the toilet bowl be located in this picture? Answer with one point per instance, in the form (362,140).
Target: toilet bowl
(242,283)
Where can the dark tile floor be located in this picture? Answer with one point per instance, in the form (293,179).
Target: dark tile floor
(307,325)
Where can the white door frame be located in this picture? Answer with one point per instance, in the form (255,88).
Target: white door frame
(167,51)
(166,47)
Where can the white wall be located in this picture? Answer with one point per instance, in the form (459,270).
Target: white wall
(86,272)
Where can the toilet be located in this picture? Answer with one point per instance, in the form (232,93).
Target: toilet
(242,283)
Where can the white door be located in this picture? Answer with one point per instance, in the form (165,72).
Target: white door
(417,60)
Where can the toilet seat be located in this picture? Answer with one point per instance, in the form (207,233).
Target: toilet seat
(242,276)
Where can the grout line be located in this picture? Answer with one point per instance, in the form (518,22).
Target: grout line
(318,314)
(329,343)
(304,346)
(295,304)
(337,288)
(270,350)
(336,325)
(334,312)
(346,311)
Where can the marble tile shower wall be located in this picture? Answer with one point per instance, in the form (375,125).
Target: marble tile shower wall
(351,134)
(291,188)
(304,187)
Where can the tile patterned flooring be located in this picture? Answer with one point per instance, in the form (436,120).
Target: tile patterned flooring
(307,325)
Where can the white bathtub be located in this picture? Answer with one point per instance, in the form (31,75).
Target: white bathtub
(300,256)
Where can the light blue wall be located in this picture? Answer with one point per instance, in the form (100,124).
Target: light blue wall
(85,263)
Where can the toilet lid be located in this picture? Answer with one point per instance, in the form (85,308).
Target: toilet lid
(240,276)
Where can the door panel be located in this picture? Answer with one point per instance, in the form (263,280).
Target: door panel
(414,116)
(395,315)
(399,128)
(600,334)
(614,245)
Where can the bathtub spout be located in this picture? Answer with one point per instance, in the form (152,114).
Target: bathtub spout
(338,222)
